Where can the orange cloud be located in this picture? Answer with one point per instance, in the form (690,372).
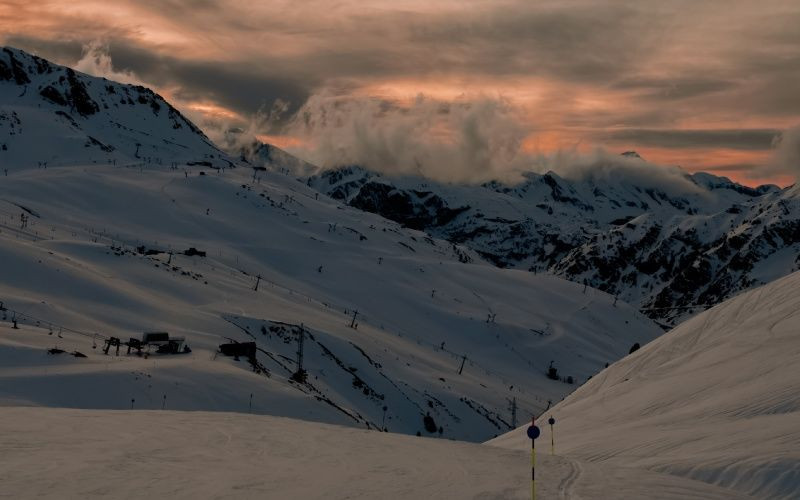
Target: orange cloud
(575,72)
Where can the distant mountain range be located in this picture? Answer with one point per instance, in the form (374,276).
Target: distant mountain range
(664,246)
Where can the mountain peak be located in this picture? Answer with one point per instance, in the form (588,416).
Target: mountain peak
(632,154)
(86,119)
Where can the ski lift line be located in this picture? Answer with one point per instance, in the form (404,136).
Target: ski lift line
(20,314)
(503,378)
(692,306)
(94,336)
(291,291)
(531,397)
(33,237)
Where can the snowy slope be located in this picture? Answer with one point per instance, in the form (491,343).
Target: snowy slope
(95,248)
(54,453)
(657,241)
(716,400)
(54,115)
(77,265)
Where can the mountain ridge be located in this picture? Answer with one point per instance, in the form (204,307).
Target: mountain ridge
(642,243)
(90,119)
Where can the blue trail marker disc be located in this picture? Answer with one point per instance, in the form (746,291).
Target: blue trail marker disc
(533,432)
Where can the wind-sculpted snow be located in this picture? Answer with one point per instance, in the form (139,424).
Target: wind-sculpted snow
(717,399)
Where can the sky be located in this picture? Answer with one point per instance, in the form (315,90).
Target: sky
(488,85)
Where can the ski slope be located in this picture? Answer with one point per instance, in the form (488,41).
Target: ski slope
(422,304)
(716,400)
(57,453)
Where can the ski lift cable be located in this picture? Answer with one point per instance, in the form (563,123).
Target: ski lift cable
(21,314)
(691,306)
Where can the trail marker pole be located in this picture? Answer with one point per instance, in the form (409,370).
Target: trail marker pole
(463,360)
(533,433)
(164,402)
(250,406)
(552,421)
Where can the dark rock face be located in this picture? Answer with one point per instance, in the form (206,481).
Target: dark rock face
(53,95)
(15,71)
(415,209)
(78,96)
(663,251)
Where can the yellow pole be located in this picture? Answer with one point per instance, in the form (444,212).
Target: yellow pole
(533,462)
(533,469)
(533,433)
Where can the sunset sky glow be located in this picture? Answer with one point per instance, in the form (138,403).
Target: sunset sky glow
(704,85)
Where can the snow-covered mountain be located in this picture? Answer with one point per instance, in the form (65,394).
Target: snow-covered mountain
(260,155)
(717,400)
(400,331)
(659,242)
(52,115)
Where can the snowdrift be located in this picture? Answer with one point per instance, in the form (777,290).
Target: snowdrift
(717,399)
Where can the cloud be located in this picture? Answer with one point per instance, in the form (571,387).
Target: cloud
(670,88)
(745,139)
(602,166)
(96,61)
(577,68)
(472,140)
(786,157)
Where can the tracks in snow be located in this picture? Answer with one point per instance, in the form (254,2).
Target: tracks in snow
(566,488)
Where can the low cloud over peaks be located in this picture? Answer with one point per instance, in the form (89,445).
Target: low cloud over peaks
(96,61)
(473,139)
(786,158)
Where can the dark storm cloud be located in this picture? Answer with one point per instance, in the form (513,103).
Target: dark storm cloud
(592,43)
(672,74)
(643,50)
(243,87)
(57,50)
(745,139)
(674,88)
